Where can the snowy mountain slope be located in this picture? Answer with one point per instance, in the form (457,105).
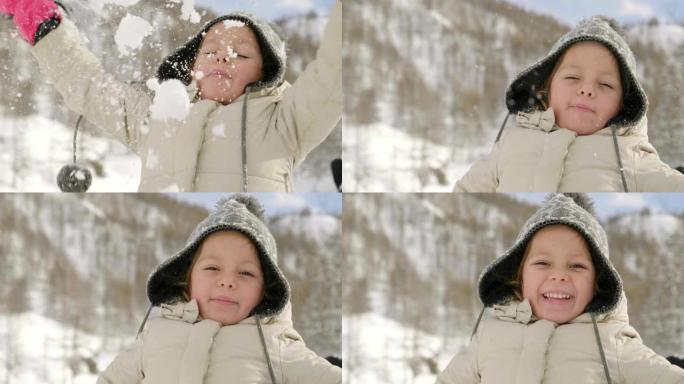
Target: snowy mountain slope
(379,158)
(37,148)
(378,350)
(46,351)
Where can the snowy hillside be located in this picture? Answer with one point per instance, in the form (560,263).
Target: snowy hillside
(413,262)
(82,261)
(38,147)
(43,350)
(381,351)
(666,37)
(377,156)
(437,71)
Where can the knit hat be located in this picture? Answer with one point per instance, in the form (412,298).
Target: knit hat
(241,213)
(521,94)
(178,64)
(575,211)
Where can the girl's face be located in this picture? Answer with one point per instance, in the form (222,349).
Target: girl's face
(227,61)
(586,90)
(558,275)
(226,279)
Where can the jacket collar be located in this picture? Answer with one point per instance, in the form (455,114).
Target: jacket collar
(521,312)
(189,313)
(546,121)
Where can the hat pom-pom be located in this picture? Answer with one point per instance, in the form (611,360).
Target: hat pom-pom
(74,178)
(251,203)
(581,199)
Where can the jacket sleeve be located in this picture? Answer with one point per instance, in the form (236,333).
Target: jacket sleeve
(482,176)
(652,175)
(113,106)
(126,367)
(463,368)
(300,365)
(639,364)
(312,107)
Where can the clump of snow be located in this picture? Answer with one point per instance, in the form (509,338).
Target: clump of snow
(188,11)
(131,32)
(199,75)
(231,52)
(233,24)
(170,100)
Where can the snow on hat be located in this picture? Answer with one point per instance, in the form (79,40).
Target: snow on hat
(178,64)
(521,94)
(575,211)
(241,213)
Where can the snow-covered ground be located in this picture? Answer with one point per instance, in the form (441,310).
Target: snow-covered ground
(381,158)
(42,350)
(35,148)
(379,350)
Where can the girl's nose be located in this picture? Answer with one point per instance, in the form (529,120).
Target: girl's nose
(226,283)
(586,91)
(559,276)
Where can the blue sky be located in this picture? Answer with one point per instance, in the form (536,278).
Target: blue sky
(275,203)
(269,9)
(610,204)
(626,11)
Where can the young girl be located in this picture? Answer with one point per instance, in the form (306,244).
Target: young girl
(580,123)
(557,312)
(242,128)
(225,312)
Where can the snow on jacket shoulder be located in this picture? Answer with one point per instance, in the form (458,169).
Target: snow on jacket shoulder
(511,346)
(203,151)
(179,347)
(538,156)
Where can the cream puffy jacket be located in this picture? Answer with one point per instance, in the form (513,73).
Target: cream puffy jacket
(180,347)
(512,347)
(536,155)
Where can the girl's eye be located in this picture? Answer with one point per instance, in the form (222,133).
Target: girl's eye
(211,268)
(571,77)
(578,266)
(607,85)
(247,273)
(541,263)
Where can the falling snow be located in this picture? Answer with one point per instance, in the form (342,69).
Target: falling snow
(132,30)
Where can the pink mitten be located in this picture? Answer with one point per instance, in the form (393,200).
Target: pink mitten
(28,15)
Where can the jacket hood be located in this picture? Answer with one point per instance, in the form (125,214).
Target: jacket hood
(241,213)
(178,65)
(575,211)
(523,92)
